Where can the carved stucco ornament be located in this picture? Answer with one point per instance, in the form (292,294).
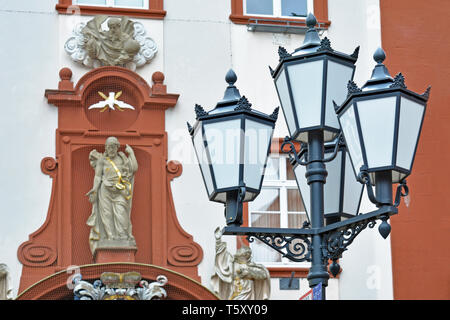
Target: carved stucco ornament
(110,41)
(119,286)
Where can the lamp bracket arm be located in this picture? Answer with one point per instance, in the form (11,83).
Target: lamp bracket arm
(402,191)
(364,178)
(338,142)
(292,153)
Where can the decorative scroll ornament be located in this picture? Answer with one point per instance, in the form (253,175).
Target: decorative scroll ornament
(119,286)
(111,102)
(296,248)
(110,41)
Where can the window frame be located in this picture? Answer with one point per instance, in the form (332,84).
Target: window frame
(153,10)
(320,8)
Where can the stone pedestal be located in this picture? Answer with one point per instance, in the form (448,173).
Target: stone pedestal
(115,251)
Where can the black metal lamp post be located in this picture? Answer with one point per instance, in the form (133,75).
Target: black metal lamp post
(379,126)
(232,144)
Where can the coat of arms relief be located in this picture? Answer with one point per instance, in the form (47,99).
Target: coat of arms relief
(111,41)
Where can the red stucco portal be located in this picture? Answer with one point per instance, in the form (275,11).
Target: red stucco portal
(62,240)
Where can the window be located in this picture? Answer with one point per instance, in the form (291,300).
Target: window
(279,8)
(288,13)
(279,205)
(114,3)
(151,9)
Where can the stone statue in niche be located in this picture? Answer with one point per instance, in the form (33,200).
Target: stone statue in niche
(106,41)
(5,283)
(236,276)
(111,196)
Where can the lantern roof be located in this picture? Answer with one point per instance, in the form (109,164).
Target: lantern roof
(232,103)
(312,46)
(380,82)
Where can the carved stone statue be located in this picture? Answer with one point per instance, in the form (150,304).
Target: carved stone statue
(113,47)
(5,281)
(236,276)
(111,196)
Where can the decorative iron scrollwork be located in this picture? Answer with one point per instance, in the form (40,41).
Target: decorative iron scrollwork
(335,243)
(296,248)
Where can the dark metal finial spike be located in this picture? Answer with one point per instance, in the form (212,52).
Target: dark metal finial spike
(311,21)
(379,56)
(274,114)
(355,53)
(231,77)
(399,81)
(271,71)
(426,94)
(190,129)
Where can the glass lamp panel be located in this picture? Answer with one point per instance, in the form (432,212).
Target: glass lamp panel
(272,169)
(332,188)
(352,190)
(257,140)
(306,83)
(303,186)
(285,100)
(202,158)
(411,114)
(350,131)
(338,76)
(377,118)
(223,139)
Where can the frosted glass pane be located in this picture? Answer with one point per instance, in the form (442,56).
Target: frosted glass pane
(129,3)
(223,139)
(411,114)
(303,186)
(257,140)
(350,130)
(298,7)
(285,100)
(338,76)
(332,185)
(377,117)
(202,158)
(352,190)
(306,83)
(259,7)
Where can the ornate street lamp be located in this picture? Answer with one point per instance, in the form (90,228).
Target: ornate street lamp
(342,191)
(381,124)
(307,82)
(232,144)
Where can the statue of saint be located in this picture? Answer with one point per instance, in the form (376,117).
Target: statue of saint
(237,277)
(5,283)
(115,47)
(111,196)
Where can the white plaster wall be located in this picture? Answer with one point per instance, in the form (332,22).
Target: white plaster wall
(27,122)
(366,265)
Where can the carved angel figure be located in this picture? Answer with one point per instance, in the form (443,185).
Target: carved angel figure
(111,196)
(115,47)
(236,276)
